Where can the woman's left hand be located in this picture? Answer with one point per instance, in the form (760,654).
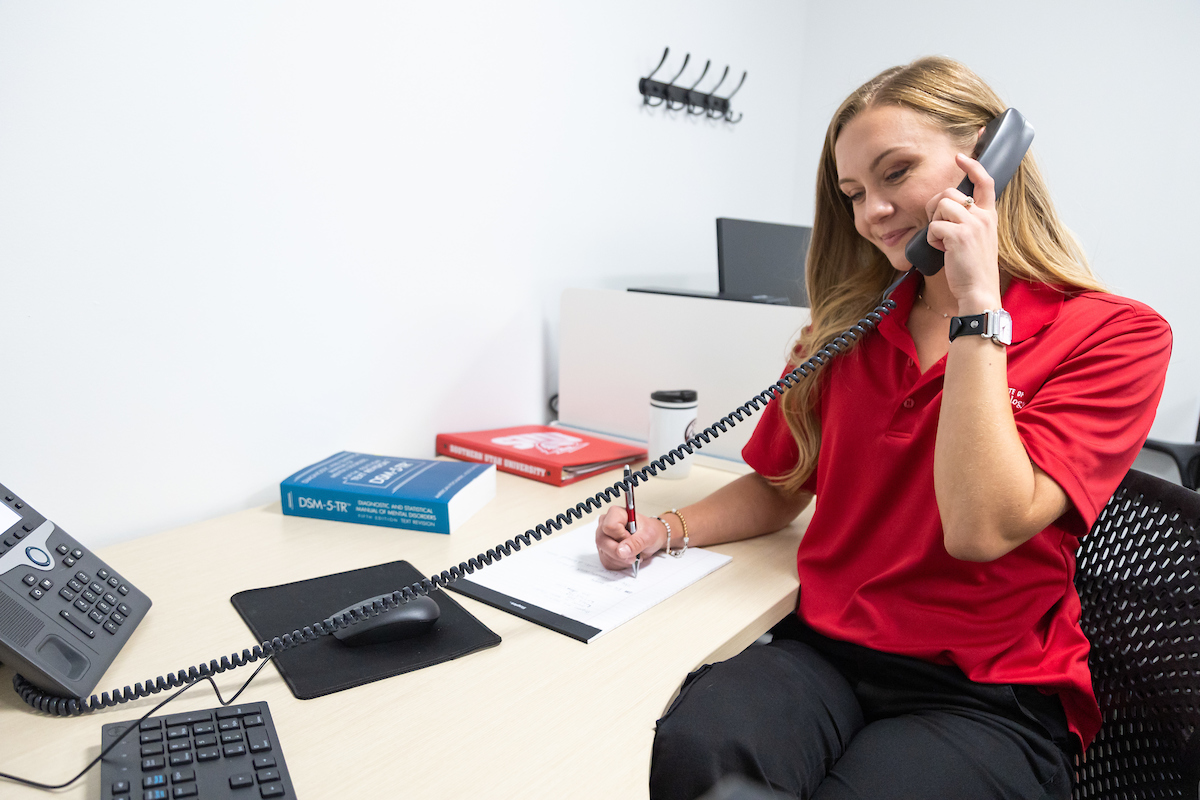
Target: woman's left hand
(965,229)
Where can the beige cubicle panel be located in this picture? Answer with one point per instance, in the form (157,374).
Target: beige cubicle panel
(615,348)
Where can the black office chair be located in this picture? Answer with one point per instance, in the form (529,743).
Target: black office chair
(1186,457)
(1139,581)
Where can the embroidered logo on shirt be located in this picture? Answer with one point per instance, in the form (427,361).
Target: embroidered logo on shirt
(1016,398)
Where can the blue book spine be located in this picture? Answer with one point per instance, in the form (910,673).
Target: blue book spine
(305,501)
(414,494)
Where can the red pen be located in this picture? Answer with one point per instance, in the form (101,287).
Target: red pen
(631,512)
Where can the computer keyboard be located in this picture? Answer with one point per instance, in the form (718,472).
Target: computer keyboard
(226,752)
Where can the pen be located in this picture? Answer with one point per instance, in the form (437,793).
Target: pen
(631,512)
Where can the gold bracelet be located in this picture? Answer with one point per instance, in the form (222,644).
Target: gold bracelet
(666,525)
(683,523)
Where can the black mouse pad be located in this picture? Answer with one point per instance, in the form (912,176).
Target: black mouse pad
(326,665)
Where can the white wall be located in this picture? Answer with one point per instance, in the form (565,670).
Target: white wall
(236,237)
(1110,88)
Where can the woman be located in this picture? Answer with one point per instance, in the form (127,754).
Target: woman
(936,650)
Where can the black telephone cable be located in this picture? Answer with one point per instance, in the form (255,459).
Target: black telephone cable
(71,706)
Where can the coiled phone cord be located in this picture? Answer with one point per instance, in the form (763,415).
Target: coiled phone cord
(71,706)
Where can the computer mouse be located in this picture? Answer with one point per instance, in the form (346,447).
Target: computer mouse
(414,618)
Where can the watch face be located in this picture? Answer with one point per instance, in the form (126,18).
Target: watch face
(1003,334)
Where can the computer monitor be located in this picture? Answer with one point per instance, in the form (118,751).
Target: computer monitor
(757,262)
(762,258)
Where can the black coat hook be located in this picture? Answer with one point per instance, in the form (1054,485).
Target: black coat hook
(707,103)
(645,85)
(696,99)
(677,93)
(729,111)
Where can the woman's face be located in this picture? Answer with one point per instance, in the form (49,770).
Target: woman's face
(890,162)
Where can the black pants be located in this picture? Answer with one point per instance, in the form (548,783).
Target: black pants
(811,717)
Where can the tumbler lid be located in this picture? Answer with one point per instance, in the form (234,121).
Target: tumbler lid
(674,397)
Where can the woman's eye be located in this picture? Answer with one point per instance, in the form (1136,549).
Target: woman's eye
(897,174)
(855,197)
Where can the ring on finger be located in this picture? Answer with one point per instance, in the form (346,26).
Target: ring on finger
(970,201)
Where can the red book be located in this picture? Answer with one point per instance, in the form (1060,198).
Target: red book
(551,455)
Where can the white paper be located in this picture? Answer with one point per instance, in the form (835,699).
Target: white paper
(563,574)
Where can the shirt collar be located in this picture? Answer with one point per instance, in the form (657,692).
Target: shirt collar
(1032,306)
(892,327)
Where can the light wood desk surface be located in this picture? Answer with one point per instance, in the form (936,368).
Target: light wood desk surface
(541,715)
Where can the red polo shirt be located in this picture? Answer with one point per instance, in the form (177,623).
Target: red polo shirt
(1084,374)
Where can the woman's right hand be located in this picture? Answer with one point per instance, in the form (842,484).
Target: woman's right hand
(618,548)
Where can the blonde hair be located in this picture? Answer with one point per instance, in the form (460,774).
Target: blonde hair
(847,275)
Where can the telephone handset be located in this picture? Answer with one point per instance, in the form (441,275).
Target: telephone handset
(999,150)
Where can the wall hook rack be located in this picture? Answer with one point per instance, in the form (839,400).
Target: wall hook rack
(677,97)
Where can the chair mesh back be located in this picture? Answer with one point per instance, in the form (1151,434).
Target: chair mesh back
(1139,582)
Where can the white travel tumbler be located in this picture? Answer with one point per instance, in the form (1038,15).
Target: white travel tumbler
(672,422)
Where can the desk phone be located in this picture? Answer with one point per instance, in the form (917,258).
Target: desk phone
(64,613)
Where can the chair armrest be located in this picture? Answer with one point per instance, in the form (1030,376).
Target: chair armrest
(1186,457)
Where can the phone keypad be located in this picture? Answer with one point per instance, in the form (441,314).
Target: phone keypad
(98,602)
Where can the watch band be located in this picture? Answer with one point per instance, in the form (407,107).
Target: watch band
(975,325)
(995,325)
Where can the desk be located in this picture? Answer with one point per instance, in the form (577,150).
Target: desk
(541,715)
